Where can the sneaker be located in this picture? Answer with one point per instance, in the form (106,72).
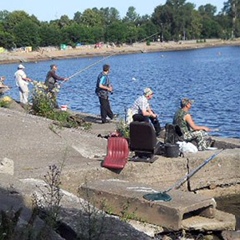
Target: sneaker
(106,121)
(115,116)
(211,148)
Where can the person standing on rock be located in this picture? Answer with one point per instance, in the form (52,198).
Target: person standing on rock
(51,82)
(103,89)
(22,82)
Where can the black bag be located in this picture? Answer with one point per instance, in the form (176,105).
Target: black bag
(173,133)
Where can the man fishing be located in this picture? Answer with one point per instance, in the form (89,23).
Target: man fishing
(22,82)
(51,82)
(103,89)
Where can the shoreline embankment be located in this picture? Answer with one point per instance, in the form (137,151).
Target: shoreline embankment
(86,51)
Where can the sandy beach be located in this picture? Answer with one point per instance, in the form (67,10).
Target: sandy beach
(50,53)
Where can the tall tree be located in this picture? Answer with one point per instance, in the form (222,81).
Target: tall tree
(232,10)
(131,15)
(26,34)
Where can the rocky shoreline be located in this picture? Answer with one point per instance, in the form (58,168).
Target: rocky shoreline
(86,51)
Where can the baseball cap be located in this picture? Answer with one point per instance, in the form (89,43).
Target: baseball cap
(148,92)
(20,66)
(185,101)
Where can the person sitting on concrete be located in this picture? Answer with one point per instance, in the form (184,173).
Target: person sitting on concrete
(142,112)
(191,131)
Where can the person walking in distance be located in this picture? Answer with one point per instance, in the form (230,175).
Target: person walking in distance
(22,82)
(103,90)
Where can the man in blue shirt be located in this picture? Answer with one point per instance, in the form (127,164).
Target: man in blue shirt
(103,89)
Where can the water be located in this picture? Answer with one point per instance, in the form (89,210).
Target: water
(209,76)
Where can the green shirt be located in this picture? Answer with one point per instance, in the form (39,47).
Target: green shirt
(179,119)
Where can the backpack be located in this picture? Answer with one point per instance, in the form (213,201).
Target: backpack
(173,133)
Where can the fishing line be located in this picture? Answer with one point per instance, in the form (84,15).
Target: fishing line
(82,70)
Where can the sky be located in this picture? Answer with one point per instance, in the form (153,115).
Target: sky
(46,10)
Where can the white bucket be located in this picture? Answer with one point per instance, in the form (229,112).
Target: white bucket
(64,107)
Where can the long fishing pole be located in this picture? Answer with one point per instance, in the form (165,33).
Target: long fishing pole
(180,182)
(163,196)
(82,70)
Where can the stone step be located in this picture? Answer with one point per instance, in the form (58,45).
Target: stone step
(125,199)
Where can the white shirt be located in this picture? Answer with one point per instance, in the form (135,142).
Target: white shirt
(141,104)
(19,75)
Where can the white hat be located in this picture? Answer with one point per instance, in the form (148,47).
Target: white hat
(148,92)
(20,66)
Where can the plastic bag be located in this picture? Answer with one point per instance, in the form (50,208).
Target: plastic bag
(185,147)
(129,116)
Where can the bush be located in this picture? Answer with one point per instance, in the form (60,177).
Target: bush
(43,104)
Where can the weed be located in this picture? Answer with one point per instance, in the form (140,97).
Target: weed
(123,129)
(49,204)
(4,104)
(44,105)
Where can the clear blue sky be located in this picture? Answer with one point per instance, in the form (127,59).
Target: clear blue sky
(46,10)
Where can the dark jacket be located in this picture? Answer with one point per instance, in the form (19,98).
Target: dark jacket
(51,79)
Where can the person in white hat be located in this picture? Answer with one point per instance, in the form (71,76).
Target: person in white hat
(142,111)
(22,82)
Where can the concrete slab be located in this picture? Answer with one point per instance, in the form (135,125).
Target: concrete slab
(222,221)
(125,199)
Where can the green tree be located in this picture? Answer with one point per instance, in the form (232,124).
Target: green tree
(26,34)
(77,17)
(232,10)
(16,17)
(210,27)
(3,15)
(109,15)
(50,35)
(116,32)
(91,18)
(6,40)
(131,15)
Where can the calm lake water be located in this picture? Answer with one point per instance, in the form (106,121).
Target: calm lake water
(209,76)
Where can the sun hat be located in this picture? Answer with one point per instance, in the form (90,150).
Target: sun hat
(148,92)
(185,101)
(20,66)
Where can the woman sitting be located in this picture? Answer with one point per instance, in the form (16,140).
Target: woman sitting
(189,129)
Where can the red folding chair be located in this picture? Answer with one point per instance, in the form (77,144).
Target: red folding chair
(117,153)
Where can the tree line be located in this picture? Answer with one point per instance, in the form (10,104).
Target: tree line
(176,20)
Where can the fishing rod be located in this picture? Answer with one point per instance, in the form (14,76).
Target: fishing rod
(180,182)
(82,70)
(163,196)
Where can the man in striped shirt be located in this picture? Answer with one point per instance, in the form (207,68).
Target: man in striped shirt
(142,111)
